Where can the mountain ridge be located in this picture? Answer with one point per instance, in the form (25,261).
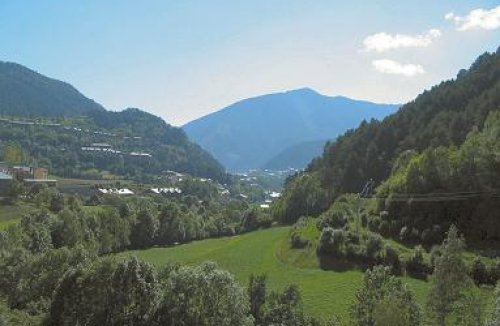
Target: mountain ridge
(249,132)
(25,92)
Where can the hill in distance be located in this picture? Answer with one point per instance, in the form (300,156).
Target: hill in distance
(28,94)
(24,92)
(250,133)
(296,156)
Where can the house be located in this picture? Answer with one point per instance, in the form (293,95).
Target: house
(40,174)
(5,183)
(166,191)
(115,191)
(32,175)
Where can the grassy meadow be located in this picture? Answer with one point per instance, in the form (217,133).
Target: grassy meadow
(324,292)
(11,214)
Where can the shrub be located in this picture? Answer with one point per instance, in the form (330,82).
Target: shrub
(404,234)
(478,272)
(392,259)
(495,273)
(296,240)
(385,228)
(435,254)
(332,241)
(374,245)
(374,223)
(352,237)
(415,265)
(335,217)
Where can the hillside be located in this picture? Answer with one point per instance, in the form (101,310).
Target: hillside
(24,92)
(296,156)
(442,116)
(54,125)
(251,132)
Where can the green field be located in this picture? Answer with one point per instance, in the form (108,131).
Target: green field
(11,214)
(324,292)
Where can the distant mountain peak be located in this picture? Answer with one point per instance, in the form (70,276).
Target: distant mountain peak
(250,132)
(302,91)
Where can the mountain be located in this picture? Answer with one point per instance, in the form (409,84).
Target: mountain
(441,116)
(58,124)
(251,132)
(296,156)
(24,92)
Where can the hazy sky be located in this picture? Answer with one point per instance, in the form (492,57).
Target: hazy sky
(185,58)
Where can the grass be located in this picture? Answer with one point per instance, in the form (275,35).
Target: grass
(324,293)
(11,214)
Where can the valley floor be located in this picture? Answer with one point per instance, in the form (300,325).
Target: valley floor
(325,293)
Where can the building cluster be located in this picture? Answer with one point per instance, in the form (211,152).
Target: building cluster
(29,175)
(125,191)
(107,148)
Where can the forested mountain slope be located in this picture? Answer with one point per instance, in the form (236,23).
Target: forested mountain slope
(54,126)
(441,116)
(24,92)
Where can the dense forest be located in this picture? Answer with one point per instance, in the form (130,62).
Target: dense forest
(24,92)
(442,116)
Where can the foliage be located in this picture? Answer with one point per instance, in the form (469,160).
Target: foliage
(442,116)
(57,145)
(494,317)
(462,183)
(106,293)
(204,296)
(302,197)
(384,300)
(449,280)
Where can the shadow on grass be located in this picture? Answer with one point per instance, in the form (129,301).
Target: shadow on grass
(343,264)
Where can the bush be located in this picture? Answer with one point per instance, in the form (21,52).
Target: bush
(335,217)
(296,241)
(415,265)
(478,272)
(385,228)
(404,234)
(352,237)
(435,254)
(392,260)
(494,273)
(332,241)
(374,245)
(296,233)
(374,223)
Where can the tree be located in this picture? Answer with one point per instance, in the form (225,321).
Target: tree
(449,280)
(56,203)
(13,154)
(257,294)
(203,296)
(378,289)
(494,317)
(391,311)
(479,273)
(166,219)
(144,230)
(285,308)
(135,293)
(106,293)
(469,310)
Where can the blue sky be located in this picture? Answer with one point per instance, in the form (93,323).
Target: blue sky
(184,59)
